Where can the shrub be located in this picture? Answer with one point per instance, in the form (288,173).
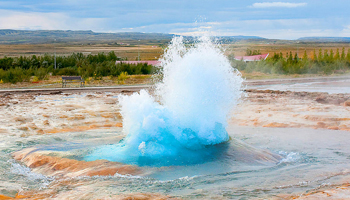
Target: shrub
(122,77)
(41,73)
(35,79)
(13,75)
(68,71)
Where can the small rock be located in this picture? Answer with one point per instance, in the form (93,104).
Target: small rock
(76,117)
(6,94)
(347,103)
(321,99)
(32,126)
(23,135)
(126,91)
(321,125)
(110,101)
(333,127)
(22,119)
(23,128)
(276,125)
(56,92)
(107,115)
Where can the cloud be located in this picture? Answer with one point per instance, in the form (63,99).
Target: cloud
(273,29)
(345,32)
(46,21)
(231,18)
(278,5)
(30,20)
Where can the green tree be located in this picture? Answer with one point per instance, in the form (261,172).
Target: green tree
(256,52)
(305,56)
(35,62)
(331,56)
(320,55)
(111,56)
(296,58)
(342,57)
(348,56)
(314,56)
(290,58)
(337,55)
(325,55)
(248,52)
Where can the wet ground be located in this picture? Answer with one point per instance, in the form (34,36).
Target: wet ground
(331,85)
(285,144)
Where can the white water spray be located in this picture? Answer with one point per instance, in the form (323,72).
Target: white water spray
(196,95)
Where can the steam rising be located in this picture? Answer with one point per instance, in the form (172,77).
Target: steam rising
(198,90)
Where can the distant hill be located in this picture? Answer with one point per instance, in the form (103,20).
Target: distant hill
(8,36)
(242,37)
(325,39)
(238,38)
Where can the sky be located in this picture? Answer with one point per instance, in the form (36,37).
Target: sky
(270,19)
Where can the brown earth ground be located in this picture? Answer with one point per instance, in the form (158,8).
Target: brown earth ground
(153,52)
(146,52)
(24,117)
(109,81)
(56,82)
(299,48)
(268,108)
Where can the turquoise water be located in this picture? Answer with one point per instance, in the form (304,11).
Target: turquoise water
(182,141)
(185,121)
(308,159)
(332,86)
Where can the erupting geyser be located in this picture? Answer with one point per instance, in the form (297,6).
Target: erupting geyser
(187,123)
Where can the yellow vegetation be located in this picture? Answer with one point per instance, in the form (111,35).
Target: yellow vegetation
(122,77)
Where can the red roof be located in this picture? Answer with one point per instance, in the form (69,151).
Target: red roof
(252,58)
(148,62)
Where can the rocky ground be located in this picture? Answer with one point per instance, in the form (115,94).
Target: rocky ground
(282,109)
(30,114)
(56,82)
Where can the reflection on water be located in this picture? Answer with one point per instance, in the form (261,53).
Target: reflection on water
(309,159)
(301,160)
(331,87)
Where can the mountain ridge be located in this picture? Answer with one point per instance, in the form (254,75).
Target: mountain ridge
(325,39)
(11,36)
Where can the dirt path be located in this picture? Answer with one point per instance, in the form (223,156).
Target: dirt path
(296,80)
(129,88)
(135,88)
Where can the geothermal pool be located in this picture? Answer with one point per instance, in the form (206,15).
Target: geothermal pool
(310,160)
(194,135)
(333,85)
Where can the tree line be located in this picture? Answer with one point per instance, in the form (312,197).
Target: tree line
(320,62)
(22,68)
